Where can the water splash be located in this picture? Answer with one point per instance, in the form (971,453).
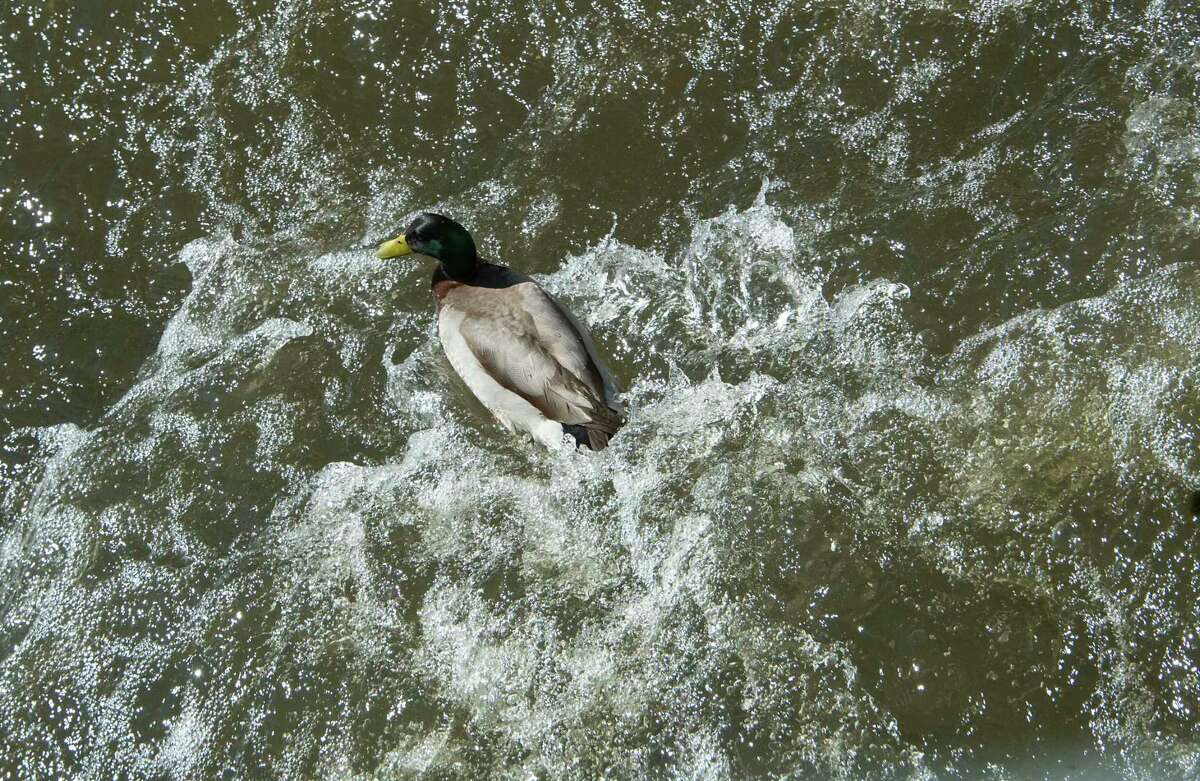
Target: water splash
(906,485)
(291,543)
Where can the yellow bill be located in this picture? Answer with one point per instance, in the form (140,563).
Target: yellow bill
(394,248)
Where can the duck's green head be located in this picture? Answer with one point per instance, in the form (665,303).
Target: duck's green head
(438,237)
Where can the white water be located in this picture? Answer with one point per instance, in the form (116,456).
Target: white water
(296,532)
(908,486)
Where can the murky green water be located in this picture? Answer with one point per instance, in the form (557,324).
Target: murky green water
(904,296)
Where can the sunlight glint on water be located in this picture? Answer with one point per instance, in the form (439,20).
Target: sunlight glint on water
(904,301)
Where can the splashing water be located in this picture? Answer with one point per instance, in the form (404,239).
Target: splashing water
(906,488)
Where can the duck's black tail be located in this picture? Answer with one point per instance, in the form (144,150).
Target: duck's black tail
(591,438)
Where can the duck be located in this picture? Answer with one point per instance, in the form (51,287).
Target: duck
(527,359)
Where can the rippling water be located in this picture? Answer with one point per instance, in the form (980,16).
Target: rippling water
(904,295)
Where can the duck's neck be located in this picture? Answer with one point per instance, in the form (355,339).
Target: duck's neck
(460,269)
(456,272)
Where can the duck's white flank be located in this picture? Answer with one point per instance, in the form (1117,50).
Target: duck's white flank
(513,412)
(528,361)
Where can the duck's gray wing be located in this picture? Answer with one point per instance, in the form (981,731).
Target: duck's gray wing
(525,343)
(584,364)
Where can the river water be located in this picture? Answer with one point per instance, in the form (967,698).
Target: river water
(904,297)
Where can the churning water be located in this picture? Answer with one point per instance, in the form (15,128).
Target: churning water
(904,296)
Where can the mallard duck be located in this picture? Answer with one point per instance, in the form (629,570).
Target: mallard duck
(522,354)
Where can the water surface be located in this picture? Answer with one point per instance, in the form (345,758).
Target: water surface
(904,297)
